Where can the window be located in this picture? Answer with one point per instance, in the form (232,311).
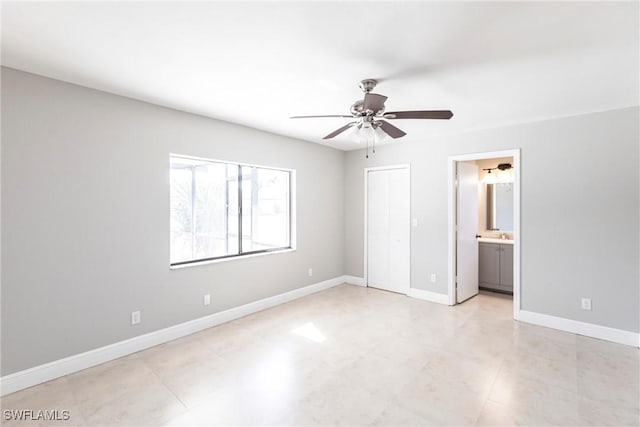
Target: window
(221,210)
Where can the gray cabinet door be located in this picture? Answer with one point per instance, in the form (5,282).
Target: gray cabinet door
(506,266)
(496,266)
(489,259)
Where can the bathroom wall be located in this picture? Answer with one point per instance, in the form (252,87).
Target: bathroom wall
(482,194)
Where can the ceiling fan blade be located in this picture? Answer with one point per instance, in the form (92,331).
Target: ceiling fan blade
(315,117)
(427,114)
(391,130)
(339,131)
(373,102)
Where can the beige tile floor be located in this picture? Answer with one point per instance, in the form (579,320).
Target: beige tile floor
(359,357)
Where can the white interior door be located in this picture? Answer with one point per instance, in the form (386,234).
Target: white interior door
(388,229)
(467,228)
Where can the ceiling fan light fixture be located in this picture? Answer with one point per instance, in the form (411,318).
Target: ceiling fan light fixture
(379,133)
(364,133)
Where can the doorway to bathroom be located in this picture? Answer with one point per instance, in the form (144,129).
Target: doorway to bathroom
(484,225)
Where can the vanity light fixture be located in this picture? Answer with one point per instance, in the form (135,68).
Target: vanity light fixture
(489,178)
(501,166)
(502,176)
(505,174)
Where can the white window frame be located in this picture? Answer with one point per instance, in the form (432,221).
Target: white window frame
(240,254)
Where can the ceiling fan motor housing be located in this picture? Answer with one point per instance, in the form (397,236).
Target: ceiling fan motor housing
(357,109)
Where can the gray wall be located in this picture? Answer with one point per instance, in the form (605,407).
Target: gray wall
(579,211)
(85,218)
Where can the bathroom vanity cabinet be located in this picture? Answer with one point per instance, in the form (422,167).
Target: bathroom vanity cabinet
(496,266)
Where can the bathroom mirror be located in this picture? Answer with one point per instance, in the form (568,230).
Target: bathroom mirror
(500,206)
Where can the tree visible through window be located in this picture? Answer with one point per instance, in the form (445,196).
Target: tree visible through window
(223,209)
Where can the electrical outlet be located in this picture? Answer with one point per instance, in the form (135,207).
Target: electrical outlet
(135,317)
(310,272)
(434,277)
(586,303)
(414,222)
(206,300)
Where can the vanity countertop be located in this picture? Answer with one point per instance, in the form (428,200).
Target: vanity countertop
(495,240)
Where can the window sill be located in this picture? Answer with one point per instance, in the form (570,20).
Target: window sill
(234,258)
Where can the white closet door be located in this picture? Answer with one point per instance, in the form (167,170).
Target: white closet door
(388,229)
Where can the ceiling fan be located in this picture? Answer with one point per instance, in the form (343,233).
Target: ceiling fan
(370,112)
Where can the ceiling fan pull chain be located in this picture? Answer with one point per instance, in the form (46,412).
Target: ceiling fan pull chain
(367,152)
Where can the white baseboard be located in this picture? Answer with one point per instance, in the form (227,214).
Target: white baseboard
(581,328)
(428,296)
(354,280)
(58,368)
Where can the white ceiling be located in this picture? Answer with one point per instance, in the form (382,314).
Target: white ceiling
(491,63)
